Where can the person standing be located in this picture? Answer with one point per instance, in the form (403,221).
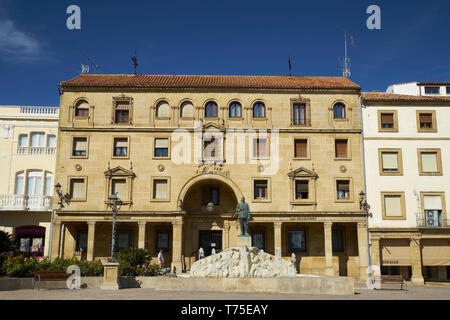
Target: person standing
(161,259)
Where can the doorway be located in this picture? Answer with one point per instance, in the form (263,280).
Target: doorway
(208,239)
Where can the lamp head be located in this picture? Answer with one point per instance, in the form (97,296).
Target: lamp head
(58,187)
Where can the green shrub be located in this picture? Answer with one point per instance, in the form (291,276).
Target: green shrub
(94,269)
(132,261)
(20,266)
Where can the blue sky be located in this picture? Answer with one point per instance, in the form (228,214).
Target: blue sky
(210,37)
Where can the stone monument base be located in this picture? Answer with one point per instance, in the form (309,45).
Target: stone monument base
(244,241)
(111,276)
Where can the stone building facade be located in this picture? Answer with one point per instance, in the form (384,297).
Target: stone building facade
(407,143)
(181,151)
(27,167)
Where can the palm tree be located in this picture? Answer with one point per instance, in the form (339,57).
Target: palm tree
(6,241)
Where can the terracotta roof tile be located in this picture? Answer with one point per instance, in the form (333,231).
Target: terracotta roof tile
(381,97)
(205,81)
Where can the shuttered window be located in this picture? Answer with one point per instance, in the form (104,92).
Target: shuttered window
(387,120)
(426,120)
(259,148)
(163,110)
(260,189)
(429,162)
(343,189)
(159,189)
(393,207)
(187,110)
(79,147)
(77,188)
(301,148)
(120,147)
(119,186)
(341,148)
(390,161)
(302,189)
(82,109)
(161,147)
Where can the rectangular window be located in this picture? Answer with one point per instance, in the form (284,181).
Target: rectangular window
(387,120)
(258,239)
(426,120)
(122,112)
(341,148)
(393,206)
(34,183)
(160,189)
(162,240)
(338,240)
(343,189)
(120,147)
(433,210)
(429,161)
(51,141)
(431,90)
(79,147)
(119,186)
(296,241)
(23,140)
(82,241)
(299,114)
(259,148)
(77,188)
(48,185)
(210,147)
(124,239)
(260,189)
(38,139)
(302,189)
(19,184)
(301,148)
(389,161)
(161,147)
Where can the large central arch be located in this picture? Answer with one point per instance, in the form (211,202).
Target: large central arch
(190,188)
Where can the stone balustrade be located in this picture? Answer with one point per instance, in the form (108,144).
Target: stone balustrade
(25,202)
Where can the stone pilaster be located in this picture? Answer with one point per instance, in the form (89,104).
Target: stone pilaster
(375,256)
(226,235)
(91,241)
(277,236)
(363,251)
(141,234)
(328,241)
(416,261)
(177,240)
(56,239)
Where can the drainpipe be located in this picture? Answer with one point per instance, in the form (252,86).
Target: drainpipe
(365,189)
(61,243)
(51,235)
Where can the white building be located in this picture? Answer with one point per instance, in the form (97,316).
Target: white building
(421,88)
(407,164)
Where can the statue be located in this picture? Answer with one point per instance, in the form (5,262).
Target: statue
(243,211)
(201,253)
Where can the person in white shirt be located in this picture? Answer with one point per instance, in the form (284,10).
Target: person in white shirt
(161,259)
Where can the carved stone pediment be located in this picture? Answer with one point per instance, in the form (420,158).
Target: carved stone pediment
(212,125)
(119,172)
(213,168)
(302,173)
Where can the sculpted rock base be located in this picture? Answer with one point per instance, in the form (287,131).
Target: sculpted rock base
(241,262)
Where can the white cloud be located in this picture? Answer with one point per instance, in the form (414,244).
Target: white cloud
(15,44)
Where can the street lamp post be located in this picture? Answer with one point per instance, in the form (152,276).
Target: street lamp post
(115,203)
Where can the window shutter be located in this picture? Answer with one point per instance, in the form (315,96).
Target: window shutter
(301,148)
(80,144)
(120,186)
(121,105)
(187,110)
(77,188)
(343,185)
(393,206)
(390,160)
(162,109)
(432,202)
(160,189)
(341,148)
(429,162)
(426,117)
(387,118)
(121,143)
(161,143)
(262,144)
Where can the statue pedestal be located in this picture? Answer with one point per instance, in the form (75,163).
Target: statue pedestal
(111,276)
(244,241)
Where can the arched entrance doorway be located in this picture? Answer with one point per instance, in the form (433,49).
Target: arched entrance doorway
(210,202)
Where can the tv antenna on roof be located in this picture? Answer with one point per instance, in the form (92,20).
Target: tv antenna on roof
(89,61)
(346,65)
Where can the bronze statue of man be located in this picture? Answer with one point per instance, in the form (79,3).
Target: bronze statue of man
(243,211)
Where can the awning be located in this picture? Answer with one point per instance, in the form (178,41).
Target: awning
(395,252)
(436,252)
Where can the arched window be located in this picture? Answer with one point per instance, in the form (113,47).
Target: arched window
(259,110)
(235,110)
(211,110)
(339,111)
(187,110)
(82,109)
(162,110)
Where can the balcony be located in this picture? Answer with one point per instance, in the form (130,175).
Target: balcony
(50,151)
(25,202)
(433,219)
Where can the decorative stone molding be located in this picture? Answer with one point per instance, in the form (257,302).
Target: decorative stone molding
(213,168)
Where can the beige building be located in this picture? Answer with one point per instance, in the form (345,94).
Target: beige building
(407,145)
(181,151)
(27,168)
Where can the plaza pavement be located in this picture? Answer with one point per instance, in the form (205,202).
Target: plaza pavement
(427,292)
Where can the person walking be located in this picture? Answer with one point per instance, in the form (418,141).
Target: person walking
(161,259)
